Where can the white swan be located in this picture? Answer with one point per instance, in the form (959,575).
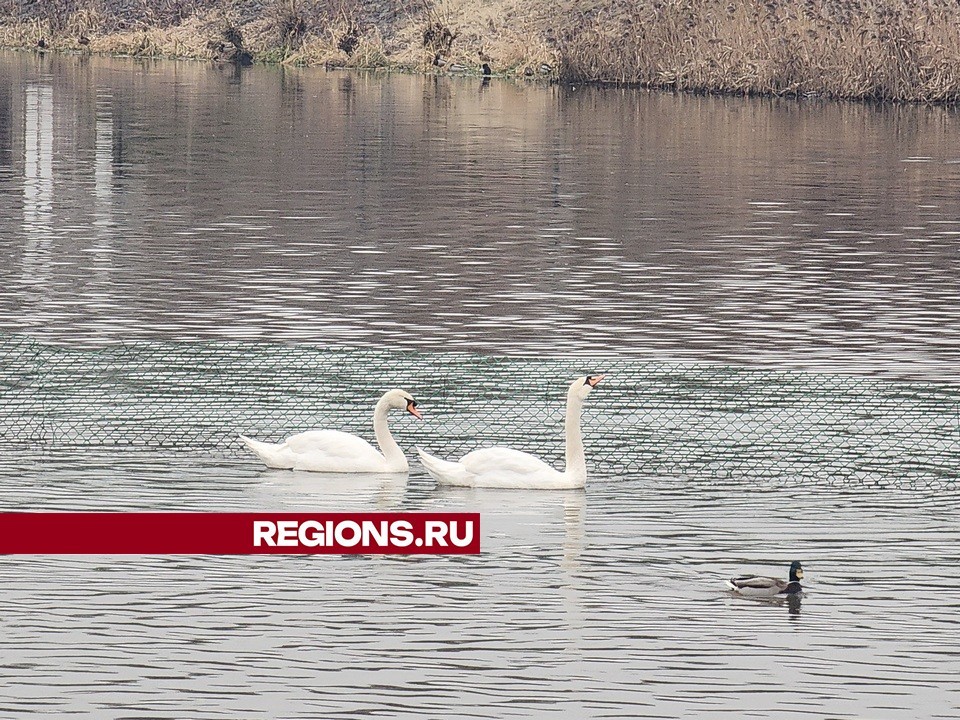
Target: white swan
(335,451)
(499,467)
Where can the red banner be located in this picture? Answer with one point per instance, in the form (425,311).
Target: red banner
(136,533)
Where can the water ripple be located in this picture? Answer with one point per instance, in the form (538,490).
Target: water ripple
(604,602)
(551,227)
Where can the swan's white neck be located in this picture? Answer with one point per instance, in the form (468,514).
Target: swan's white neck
(576,461)
(395,459)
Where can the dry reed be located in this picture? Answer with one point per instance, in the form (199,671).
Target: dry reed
(905,50)
(890,50)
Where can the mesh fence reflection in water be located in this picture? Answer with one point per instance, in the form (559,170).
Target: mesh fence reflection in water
(646,417)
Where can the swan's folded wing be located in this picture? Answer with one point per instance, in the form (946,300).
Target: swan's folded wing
(505,467)
(504,460)
(331,444)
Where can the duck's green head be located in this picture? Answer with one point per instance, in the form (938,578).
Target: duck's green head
(796,572)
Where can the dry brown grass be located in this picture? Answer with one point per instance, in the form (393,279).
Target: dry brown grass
(439,36)
(884,49)
(896,50)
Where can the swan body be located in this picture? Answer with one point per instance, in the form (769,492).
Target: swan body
(761,586)
(340,452)
(499,467)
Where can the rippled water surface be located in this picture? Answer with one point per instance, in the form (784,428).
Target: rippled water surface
(189,200)
(181,201)
(604,603)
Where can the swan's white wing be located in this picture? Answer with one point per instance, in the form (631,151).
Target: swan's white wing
(507,468)
(333,451)
(332,442)
(498,468)
(503,460)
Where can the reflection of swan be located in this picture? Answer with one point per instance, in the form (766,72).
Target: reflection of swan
(340,492)
(574,534)
(516,521)
(335,451)
(505,468)
(759,586)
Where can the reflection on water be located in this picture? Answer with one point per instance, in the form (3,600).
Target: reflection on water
(792,603)
(103,162)
(100,294)
(299,205)
(38,160)
(604,602)
(37,224)
(347,491)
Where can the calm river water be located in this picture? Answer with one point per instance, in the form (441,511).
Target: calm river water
(184,201)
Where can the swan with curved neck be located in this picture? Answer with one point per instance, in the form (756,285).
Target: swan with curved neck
(335,451)
(499,467)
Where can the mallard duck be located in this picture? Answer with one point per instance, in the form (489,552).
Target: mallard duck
(759,586)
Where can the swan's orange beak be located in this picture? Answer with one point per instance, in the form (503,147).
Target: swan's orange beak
(595,380)
(412,409)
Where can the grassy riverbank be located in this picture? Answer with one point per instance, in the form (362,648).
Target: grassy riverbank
(879,49)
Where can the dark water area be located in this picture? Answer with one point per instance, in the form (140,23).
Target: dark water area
(184,201)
